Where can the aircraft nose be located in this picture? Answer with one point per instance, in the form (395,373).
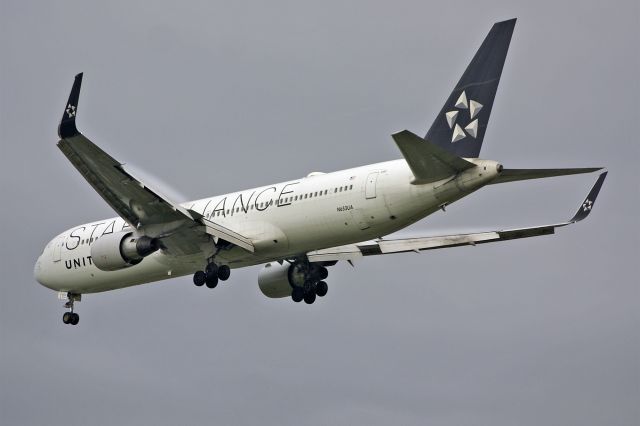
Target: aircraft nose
(40,273)
(37,270)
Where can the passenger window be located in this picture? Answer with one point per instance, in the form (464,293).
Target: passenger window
(335,190)
(325,192)
(351,187)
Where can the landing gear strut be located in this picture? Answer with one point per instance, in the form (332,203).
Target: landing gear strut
(71,317)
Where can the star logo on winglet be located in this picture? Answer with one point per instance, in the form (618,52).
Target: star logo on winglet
(471,129)
(71,111)
(586,206)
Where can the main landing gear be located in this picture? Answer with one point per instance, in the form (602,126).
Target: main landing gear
(211,275)
(71,317)
(311,277)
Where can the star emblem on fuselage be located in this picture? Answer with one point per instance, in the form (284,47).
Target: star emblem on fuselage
(471,128)
(71,111)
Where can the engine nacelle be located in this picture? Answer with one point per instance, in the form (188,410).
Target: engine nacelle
(277,280)
(121,250)
(274,280)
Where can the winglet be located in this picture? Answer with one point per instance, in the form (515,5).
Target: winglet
(67,127)
(587,204)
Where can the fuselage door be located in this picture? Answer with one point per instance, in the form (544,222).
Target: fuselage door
(370,187)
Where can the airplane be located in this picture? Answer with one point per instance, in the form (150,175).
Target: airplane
(296,229)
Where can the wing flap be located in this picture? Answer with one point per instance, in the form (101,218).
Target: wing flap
(226,234)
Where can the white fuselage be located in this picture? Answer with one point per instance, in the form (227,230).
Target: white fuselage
(283,220)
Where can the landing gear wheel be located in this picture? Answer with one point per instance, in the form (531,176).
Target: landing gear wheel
(309,298)
(211,281)
(224,272)
(322,288)
(211,269)
(199,278)
(66,317)
(297,294)
(75,319)
(324,273)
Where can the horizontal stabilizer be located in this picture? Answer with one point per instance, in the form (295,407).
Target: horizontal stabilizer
(513,175)
(428,162)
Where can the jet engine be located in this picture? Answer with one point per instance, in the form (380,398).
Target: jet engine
(277,280)
(274,280)
(121,250)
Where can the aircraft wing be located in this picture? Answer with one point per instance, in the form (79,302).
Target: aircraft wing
(351,252)
(133,200)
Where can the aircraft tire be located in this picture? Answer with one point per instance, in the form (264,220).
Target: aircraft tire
(224,272)
(212,281)
(321,289)
(324,273)
(309,298)
(211,269)
(199,278)
(297,294)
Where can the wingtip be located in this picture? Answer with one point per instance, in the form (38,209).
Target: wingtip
(67,127)
(588,203)
(506,23)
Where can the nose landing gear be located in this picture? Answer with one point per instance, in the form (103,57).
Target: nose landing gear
(71,317)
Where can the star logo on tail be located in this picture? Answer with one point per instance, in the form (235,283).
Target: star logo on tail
(471,129)
(71,111)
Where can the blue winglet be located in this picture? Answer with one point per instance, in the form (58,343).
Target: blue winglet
(67,127)
(588,203)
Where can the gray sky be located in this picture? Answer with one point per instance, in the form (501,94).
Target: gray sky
(218,97)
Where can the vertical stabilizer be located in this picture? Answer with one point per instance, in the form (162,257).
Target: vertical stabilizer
(461,124)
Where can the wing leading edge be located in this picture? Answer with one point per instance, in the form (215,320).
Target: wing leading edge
(403,245)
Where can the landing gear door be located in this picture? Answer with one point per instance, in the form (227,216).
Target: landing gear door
(370,187)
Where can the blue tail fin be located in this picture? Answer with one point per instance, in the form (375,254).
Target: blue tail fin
(462,122)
